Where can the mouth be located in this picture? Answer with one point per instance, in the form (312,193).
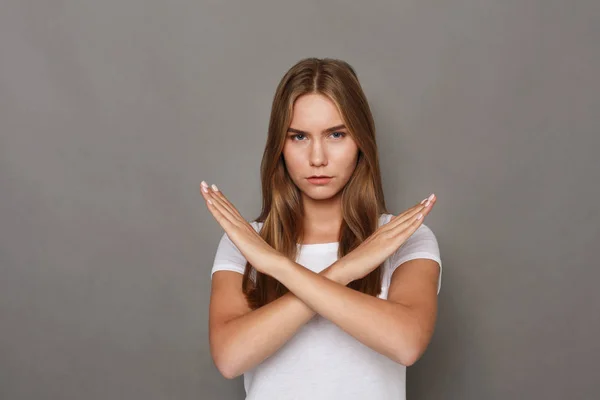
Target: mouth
(319,179)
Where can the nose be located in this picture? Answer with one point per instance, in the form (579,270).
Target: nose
(318,156)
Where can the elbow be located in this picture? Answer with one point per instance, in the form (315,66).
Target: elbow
(228,374)
(408,358)
(225,367)
(408,355)
(224,363)
(412,348)
(221,356)
(409,352)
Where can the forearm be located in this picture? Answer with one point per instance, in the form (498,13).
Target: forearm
(386,327)
(248,340)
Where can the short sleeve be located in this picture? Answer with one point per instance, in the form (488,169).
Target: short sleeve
(228,257)
(421,244)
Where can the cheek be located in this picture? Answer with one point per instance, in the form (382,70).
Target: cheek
(292,162)
(346,157)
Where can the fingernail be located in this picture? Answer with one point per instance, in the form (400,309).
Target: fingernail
(203,184)
(205,189)
(419,216)
(215,188)
(431,197)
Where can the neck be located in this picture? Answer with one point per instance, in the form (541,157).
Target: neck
(322,216)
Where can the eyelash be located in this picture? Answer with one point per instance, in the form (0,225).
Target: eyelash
(298,134)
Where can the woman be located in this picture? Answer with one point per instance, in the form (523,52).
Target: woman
(325,295)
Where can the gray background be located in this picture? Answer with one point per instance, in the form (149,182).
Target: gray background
(112,112)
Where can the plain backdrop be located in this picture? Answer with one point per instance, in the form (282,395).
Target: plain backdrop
(112,112)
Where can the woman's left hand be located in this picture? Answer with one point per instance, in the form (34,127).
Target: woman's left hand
(263,257)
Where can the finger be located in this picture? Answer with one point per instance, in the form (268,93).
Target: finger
(400,221)
(214,202)
(226,203)
(230,211)
(219,205)
(205,193)
(412,209)
(425,204)
(209,194)
(413,226)
(428,206)
(409,226)
(218,214)
(402,218)
(416,218)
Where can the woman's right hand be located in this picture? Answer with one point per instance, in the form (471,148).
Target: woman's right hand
(383,242)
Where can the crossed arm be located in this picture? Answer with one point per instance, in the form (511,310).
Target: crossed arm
(399,327)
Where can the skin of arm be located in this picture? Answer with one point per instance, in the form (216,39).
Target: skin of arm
(243,342)
(399,328)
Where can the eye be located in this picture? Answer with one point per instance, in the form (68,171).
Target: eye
(296,135)
(342,134)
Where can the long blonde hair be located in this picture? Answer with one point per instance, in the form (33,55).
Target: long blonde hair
(282,210)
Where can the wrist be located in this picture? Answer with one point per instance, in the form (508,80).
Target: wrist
(338,272)
(279,266)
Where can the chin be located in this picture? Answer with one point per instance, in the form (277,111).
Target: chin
(320,193)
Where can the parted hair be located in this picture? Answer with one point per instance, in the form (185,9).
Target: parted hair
(282,209)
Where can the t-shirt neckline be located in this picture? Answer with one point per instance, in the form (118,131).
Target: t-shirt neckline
(318,247)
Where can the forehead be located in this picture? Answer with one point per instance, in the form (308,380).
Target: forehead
(315,111)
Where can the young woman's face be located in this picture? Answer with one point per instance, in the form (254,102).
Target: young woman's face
(317,143)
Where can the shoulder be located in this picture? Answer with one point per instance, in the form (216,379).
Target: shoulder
(228,257)
(421,244)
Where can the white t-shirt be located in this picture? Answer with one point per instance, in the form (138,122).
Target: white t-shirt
(321,361)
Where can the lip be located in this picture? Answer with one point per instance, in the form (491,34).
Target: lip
(319,180)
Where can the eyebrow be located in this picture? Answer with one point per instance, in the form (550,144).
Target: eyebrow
(333,128)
